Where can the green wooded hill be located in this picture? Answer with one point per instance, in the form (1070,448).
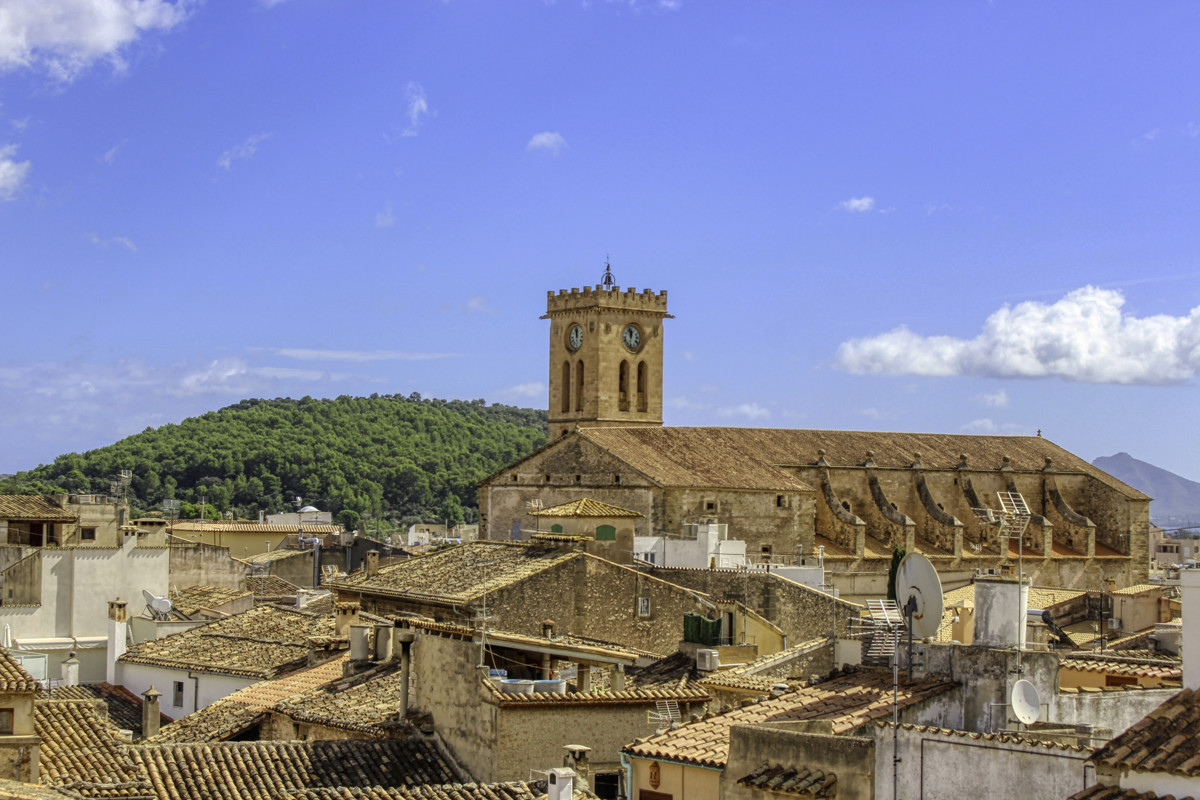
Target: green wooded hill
(382,457)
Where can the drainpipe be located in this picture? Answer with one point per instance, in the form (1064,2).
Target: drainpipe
(627,770)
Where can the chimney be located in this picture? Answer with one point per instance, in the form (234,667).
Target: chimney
(118,637)
(383,643)
(577,760)
(345,615)
(616,678)
(560,784)
(360,642)
(404,638)
(1189,586)
(70,671)
(151,715)
(372,563)
(1001,605)
(547,629)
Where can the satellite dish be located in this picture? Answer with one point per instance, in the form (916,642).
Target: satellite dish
(160,607)
(1025,701)
(917,580)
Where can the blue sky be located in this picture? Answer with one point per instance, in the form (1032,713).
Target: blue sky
(945,216)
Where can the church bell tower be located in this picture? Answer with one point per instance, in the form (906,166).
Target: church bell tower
(606,356)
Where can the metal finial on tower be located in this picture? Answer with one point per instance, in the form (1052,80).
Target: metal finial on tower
(608,281)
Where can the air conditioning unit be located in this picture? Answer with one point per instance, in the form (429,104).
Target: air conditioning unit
(1113,624)
(707,660)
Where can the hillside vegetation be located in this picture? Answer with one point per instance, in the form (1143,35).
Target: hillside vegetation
(382,457)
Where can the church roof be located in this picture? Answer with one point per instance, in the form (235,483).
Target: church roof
(755,458)
(586,507)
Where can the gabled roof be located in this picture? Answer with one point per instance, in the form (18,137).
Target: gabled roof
(761,674)
(257,770)
(847,702)
(13,677)
(270,586)
(750,458)
(32,508)
(241,526)
(516,790)
(124,707)
(260,643)
(1165,740)
(585,508)
(457,574)
(80,751)
(193,599)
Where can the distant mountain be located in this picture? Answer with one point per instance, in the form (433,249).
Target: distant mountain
(1175,498)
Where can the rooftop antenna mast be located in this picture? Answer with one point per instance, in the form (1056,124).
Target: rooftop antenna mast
(119,488)
(1014,519)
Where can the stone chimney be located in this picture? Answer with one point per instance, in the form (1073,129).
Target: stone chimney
(548,629)
(1001,606)
(1189,586)
(577,760)
(151,713)
(372,563)
(118,637)
(345,615)
(70,671)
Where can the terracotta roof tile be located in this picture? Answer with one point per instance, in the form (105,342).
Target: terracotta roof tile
(792,780)
(124,707)
(80,752)
(847,701)
(751,457)
(241,526)
(454,791)
(259,643)
(13,677)
(458,574)
(270,586)
(1165,740)
(1119,667)
(585,507)
(761,674)
(191,600)
(269,770)
(1101,792)
(32,508)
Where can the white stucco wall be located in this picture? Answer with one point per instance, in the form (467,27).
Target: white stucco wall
(137,678)
(944,766)
(76,585)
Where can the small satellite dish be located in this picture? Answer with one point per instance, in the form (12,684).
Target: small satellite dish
(1025,701)
(160,607)
(916,579)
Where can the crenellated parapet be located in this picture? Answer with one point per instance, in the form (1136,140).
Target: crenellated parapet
(646,301)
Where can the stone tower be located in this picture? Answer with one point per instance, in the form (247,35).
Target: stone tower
(606,357)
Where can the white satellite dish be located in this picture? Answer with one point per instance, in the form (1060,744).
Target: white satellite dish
(917,580)
(160,607)
(1026,702)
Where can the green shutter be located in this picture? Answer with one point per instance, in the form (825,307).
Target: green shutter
(606,533)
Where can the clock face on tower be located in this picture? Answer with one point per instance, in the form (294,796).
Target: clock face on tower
(632,337)
(575,338)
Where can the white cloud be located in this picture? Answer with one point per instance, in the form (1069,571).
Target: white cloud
(750,410)
(12,172)
(65,37)
(121,240)
(110,155)
(531,389)
(385,219)
(1085,336)
(857,205)
(418,107)
(355,356)
(995,399)
(479,304)
(246,149)
(980,426)
(871,413)
(550,141)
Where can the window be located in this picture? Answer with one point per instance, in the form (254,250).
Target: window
(177,695)
(556,528)
(606,533)
(710,505)
(579,386)
(547,477)
(643,606)
(623,386)
(617,478)
(579,479)
(87,534)
(780,501)
(566,386)
(642,385)
(514,478)
(6,721)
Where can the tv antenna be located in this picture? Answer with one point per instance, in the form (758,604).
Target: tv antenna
(170,507)
(118,489)
(160,607)
(1013,517)
(1025,701)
